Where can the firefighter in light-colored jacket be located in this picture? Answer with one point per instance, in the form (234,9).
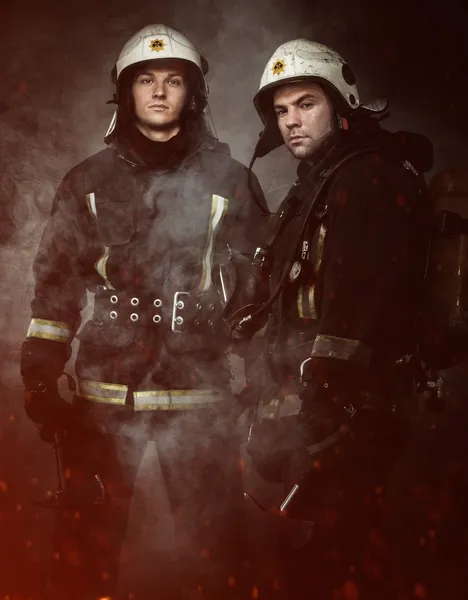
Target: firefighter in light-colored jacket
(142,225)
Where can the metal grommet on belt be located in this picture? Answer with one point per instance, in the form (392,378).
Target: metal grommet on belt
(157,319)
(157,302)
(134,302)
(134,317)
(114,299)
(113,314)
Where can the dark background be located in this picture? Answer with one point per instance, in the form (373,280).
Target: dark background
(55,63)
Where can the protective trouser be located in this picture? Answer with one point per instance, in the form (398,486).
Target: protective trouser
(199,456)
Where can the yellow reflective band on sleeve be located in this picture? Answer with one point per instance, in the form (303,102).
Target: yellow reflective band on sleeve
(58,331)
(305,294)
(330,346)
(100,266)
(175,399)
(320,244)
(219,206)
(115,393)
(305,302)
(98,391)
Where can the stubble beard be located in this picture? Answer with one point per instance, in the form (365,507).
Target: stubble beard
(310,148)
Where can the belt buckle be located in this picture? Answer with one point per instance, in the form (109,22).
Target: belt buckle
(179,304)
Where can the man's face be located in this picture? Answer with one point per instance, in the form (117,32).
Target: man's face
(159,94)
(305,117)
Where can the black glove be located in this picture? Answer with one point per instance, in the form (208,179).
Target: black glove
(42,364)
(271,444)
(47,409)
(330,393)
(243,288)
(324,411)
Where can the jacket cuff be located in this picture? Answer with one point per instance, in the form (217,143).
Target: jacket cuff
(329,346)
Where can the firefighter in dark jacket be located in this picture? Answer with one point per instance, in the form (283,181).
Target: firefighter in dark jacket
(347,256)
(140,228)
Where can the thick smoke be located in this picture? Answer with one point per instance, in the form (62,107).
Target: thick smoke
(55,73)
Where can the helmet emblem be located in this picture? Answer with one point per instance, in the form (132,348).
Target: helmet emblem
(157,45)
(278,66)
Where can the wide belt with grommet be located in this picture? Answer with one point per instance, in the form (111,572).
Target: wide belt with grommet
(182,313)
(117,307)
(195,313)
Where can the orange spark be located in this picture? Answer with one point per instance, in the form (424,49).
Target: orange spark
(419,591)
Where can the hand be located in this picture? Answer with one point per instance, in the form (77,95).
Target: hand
(47,409)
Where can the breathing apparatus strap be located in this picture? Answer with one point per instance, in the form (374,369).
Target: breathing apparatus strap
(263,254)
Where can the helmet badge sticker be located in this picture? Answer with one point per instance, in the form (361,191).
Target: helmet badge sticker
(278,66)
(157,45)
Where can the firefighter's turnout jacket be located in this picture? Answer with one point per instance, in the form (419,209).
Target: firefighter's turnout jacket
(355,287)
(142,242)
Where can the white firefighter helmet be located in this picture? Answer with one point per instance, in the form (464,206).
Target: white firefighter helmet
(302,59)
(159,42)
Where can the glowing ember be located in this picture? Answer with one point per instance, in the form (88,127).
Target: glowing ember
(420,591)
(350,590)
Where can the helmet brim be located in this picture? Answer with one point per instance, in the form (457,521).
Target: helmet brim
(263,98)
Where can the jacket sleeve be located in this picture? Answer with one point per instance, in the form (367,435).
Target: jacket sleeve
(370,278)
(245,227)
(59,293)
(247,224)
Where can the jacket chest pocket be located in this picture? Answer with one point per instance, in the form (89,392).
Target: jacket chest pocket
(115,219)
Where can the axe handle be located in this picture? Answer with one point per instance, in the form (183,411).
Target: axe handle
(58,449)
(289,497)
